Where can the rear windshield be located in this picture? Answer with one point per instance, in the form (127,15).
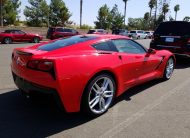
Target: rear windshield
(133,32)
(91,31)
(173,28)
(65,42)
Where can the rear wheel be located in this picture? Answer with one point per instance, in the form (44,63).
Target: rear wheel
(36,40)
(7,40)
(99,95)
(169,69)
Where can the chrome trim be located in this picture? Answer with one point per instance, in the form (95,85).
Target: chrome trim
(169,46)
(182,54)
(172,36)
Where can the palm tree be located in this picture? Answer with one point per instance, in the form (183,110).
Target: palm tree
(176,9)
(81,2)
(165,10)
(152,4)
(125,1)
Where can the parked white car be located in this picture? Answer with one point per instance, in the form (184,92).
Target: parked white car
(149,34)
(138,34)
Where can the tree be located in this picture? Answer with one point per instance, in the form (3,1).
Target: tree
(38,13)
(81,2)
(116,18)
(125,1)
(165,10)
(176,9)
(146,21)
(9,12)
(186,18)
(59,13)
(136,23)
(103,18)
(152,4)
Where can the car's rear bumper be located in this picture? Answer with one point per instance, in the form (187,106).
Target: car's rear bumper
(177,50)
(31,80)
(28,87)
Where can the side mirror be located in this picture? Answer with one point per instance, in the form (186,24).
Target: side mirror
(151,51)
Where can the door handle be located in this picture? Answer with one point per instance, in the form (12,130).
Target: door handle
(120,57)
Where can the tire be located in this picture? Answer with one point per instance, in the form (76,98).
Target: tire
(168,69)
(138,37)
(96,98)
(7,40)
(36,39)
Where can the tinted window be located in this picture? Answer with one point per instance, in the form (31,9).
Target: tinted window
(128,46)
(67,30)
(91,31)
(8,31)
(141,32)
(173,28)
(102,46)
(133,32)
(65,42)
(59,29)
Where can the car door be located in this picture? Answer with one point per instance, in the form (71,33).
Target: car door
(19,35)
(136,62)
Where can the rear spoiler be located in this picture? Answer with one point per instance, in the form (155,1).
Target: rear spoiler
(23,53)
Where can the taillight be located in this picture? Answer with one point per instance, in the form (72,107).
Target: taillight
(188,41)
(45,65)
(40,65)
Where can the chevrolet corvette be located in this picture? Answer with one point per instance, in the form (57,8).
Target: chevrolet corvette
(86,72)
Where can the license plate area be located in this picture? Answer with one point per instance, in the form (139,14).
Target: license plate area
(169,39)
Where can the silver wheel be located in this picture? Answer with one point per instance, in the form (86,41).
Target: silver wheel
(7,40)
(36,40)
(169,68)
(101,95)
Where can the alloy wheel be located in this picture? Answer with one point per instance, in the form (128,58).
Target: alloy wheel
(101,95)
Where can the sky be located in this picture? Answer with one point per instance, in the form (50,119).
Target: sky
(135,8)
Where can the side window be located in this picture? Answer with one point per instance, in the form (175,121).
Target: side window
(103,46)
(59,29)
(128,46)
(67,30)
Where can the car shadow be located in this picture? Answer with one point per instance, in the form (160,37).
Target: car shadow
(137,89)
(41,118)
(21,117)
(182,63)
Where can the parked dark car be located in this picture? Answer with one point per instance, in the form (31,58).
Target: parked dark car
(97,31)
(123,32)
(59,32)
(15,35)
(173,36)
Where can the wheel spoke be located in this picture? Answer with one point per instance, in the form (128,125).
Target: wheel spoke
(102,103)
(105,84)
(94,102)
(96,88)
(108,94)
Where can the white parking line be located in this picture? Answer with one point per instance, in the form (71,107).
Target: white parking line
(118,128)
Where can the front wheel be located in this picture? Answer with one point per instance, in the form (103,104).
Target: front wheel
(99,95)
(36,40)
(169,69)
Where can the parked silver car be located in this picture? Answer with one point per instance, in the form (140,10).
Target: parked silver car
(138,34)
(149,34)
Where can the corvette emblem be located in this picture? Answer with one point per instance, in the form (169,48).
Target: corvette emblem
(20,62)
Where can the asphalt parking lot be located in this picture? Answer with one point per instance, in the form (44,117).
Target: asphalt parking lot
(156,109)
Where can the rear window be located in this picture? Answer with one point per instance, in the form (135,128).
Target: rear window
(91,31)
(173,28)
(65,42)
(133,32)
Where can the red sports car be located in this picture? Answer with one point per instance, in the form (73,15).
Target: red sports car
(13,35)
(88,72)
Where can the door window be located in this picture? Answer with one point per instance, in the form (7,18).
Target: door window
(128,46)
